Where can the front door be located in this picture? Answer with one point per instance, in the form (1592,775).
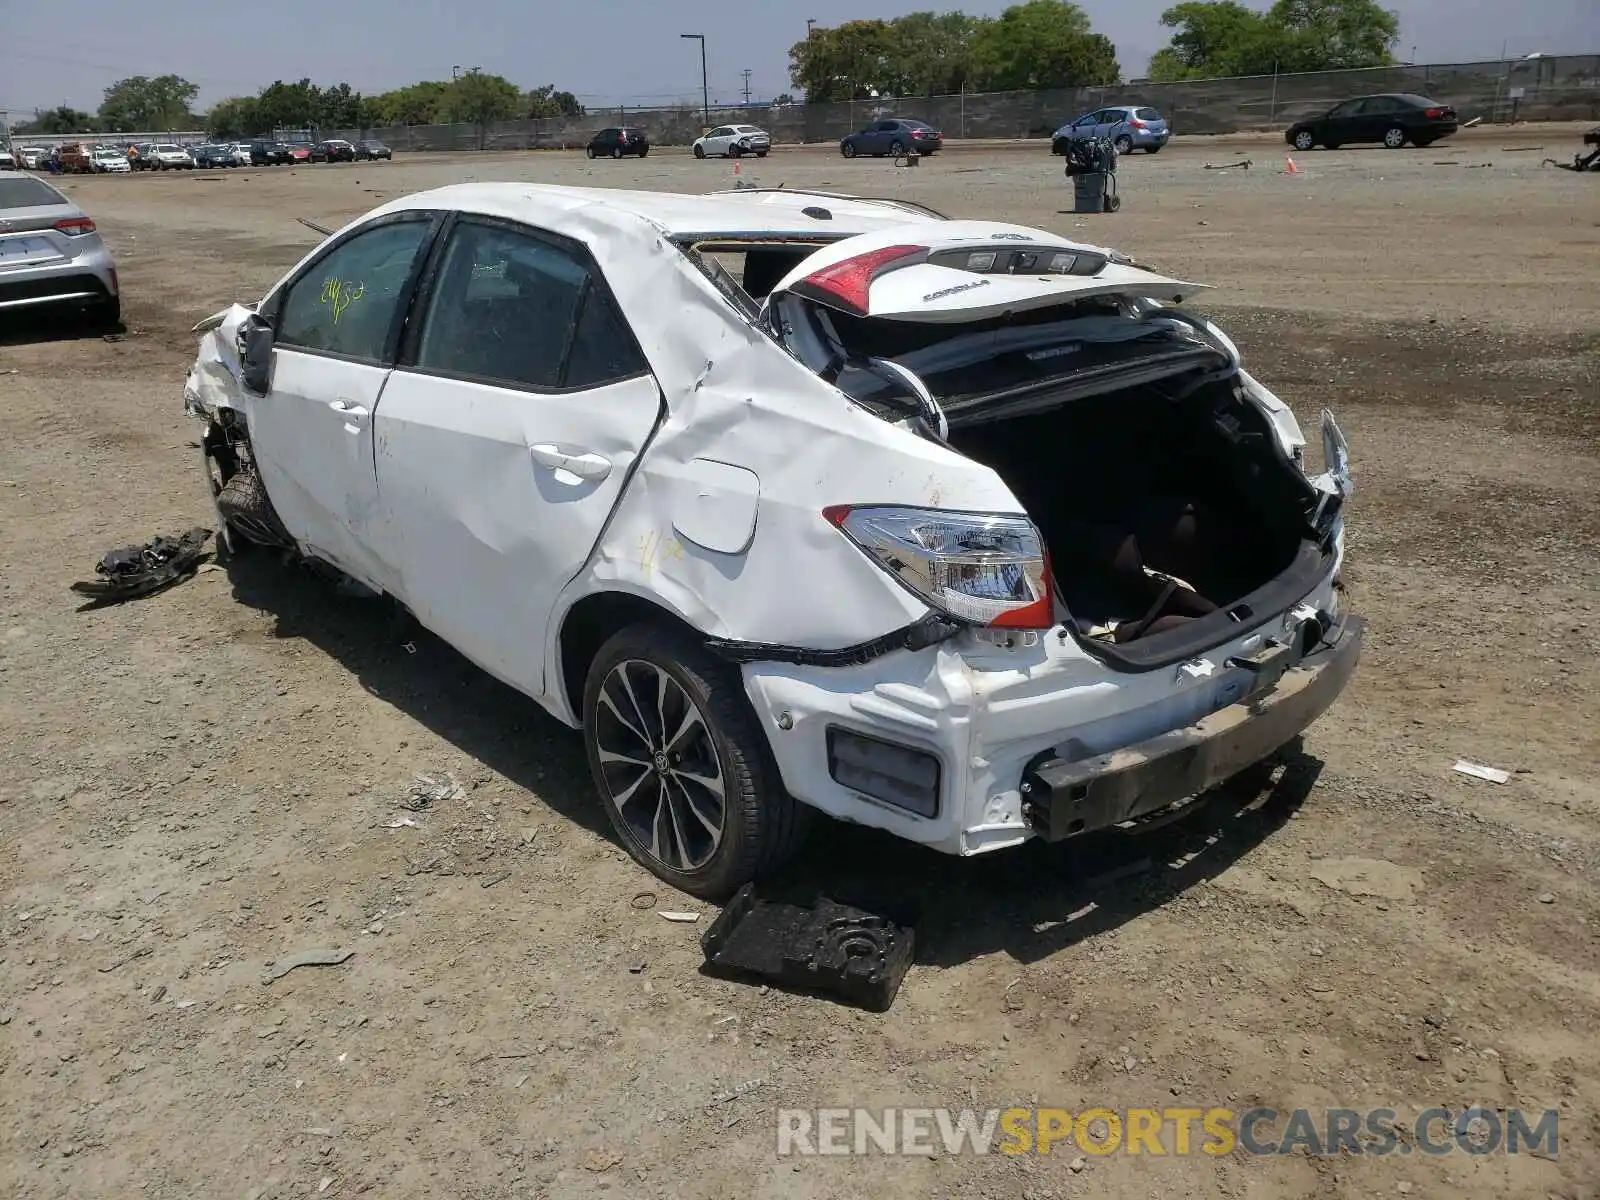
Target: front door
(505,437)
(334,331)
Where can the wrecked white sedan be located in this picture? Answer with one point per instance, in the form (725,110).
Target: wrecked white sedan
(793,501)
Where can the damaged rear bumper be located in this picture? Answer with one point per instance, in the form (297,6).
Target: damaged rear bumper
(1064,799)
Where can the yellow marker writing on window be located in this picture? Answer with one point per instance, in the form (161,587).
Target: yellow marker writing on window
(340,294)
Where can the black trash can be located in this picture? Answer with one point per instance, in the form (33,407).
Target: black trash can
(1092,166)
(1089,192)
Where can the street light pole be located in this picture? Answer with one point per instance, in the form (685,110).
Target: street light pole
(705,88)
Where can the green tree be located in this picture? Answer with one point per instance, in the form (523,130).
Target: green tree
(932,52)
(60,120)
(1223,37)
(142,103)
(547,102)
(416,104)
(1329,35)
(234,118)
(287,106)
(1042,44)
(480,99)
(336,108)
(847,62)
(1214,37)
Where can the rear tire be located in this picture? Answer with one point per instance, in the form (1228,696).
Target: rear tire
(1124,144)
(655,696)
(1394,138)
(897,149)
(616,152)
(106,317)
(1152,149)
(761,153)
(645,152)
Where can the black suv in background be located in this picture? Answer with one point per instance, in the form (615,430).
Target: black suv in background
(267,153)
(617,142)
(1392,120)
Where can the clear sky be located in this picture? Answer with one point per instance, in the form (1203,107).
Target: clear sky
(607,51)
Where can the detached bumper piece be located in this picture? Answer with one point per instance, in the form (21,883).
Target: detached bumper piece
(825,947)
(1064,799)
(132,571)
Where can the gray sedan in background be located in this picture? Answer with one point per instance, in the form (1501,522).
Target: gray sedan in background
(51,255)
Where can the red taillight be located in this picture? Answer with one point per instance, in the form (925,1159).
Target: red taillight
(846,283)
(1136,123)
(75,226)
(1433,114)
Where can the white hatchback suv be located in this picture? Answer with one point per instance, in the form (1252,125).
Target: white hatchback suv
(793,501)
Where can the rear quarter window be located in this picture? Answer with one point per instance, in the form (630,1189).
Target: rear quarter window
(28,193)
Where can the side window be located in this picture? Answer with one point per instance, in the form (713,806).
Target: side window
(506,307)
(347,303)
(1348,109)
(603,349)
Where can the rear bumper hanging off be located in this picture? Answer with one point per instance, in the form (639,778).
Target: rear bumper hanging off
(1063,799)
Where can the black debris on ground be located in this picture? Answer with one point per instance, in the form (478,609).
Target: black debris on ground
(820,946)
(131,571)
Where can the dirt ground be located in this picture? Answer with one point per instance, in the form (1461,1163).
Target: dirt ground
(204,781)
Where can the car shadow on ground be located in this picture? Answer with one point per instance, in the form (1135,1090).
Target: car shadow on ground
(67,325)
(402,664)
(1037,899)
(1029,902)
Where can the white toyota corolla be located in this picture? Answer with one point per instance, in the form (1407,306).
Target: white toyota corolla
(793,501)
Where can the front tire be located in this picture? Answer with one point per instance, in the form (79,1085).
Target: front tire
(1124,144)
(699,150)
(847,149)
(1394,138)
(682,767)
(1303,140)
(588,151)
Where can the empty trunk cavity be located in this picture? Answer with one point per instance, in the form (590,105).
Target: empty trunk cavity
(1172,517)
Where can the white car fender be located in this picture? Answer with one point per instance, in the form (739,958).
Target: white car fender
(213,382)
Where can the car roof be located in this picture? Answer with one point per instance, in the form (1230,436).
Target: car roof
(769,212)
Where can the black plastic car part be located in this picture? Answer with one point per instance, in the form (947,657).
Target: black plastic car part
(824,946)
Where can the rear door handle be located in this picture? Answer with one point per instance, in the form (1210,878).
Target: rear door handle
(585,464)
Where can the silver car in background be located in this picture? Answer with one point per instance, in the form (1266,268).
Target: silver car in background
(51,256)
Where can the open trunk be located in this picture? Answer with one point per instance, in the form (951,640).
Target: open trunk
(1171,515)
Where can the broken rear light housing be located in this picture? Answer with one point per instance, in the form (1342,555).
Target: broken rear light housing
(980,568)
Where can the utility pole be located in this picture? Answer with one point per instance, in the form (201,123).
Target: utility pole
(705,88)
(746,74)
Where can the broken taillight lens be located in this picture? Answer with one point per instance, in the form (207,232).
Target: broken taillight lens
(848,283)
(984,569)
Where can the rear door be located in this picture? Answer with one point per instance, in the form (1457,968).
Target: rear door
(505,438)
(335,329)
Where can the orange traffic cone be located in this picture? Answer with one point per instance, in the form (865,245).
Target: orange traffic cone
(736,166)
(1288,165)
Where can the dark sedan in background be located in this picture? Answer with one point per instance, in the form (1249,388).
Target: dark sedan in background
(367,151)
(1390,120)
(892,136)
(333,150)
(267,153)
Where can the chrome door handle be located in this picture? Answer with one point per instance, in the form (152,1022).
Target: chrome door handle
(585,464)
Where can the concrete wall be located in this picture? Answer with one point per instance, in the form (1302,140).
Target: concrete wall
(1552,89)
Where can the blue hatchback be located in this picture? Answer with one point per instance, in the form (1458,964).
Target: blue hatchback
(1128,126)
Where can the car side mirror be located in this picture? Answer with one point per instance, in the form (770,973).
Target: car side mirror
(256,356)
